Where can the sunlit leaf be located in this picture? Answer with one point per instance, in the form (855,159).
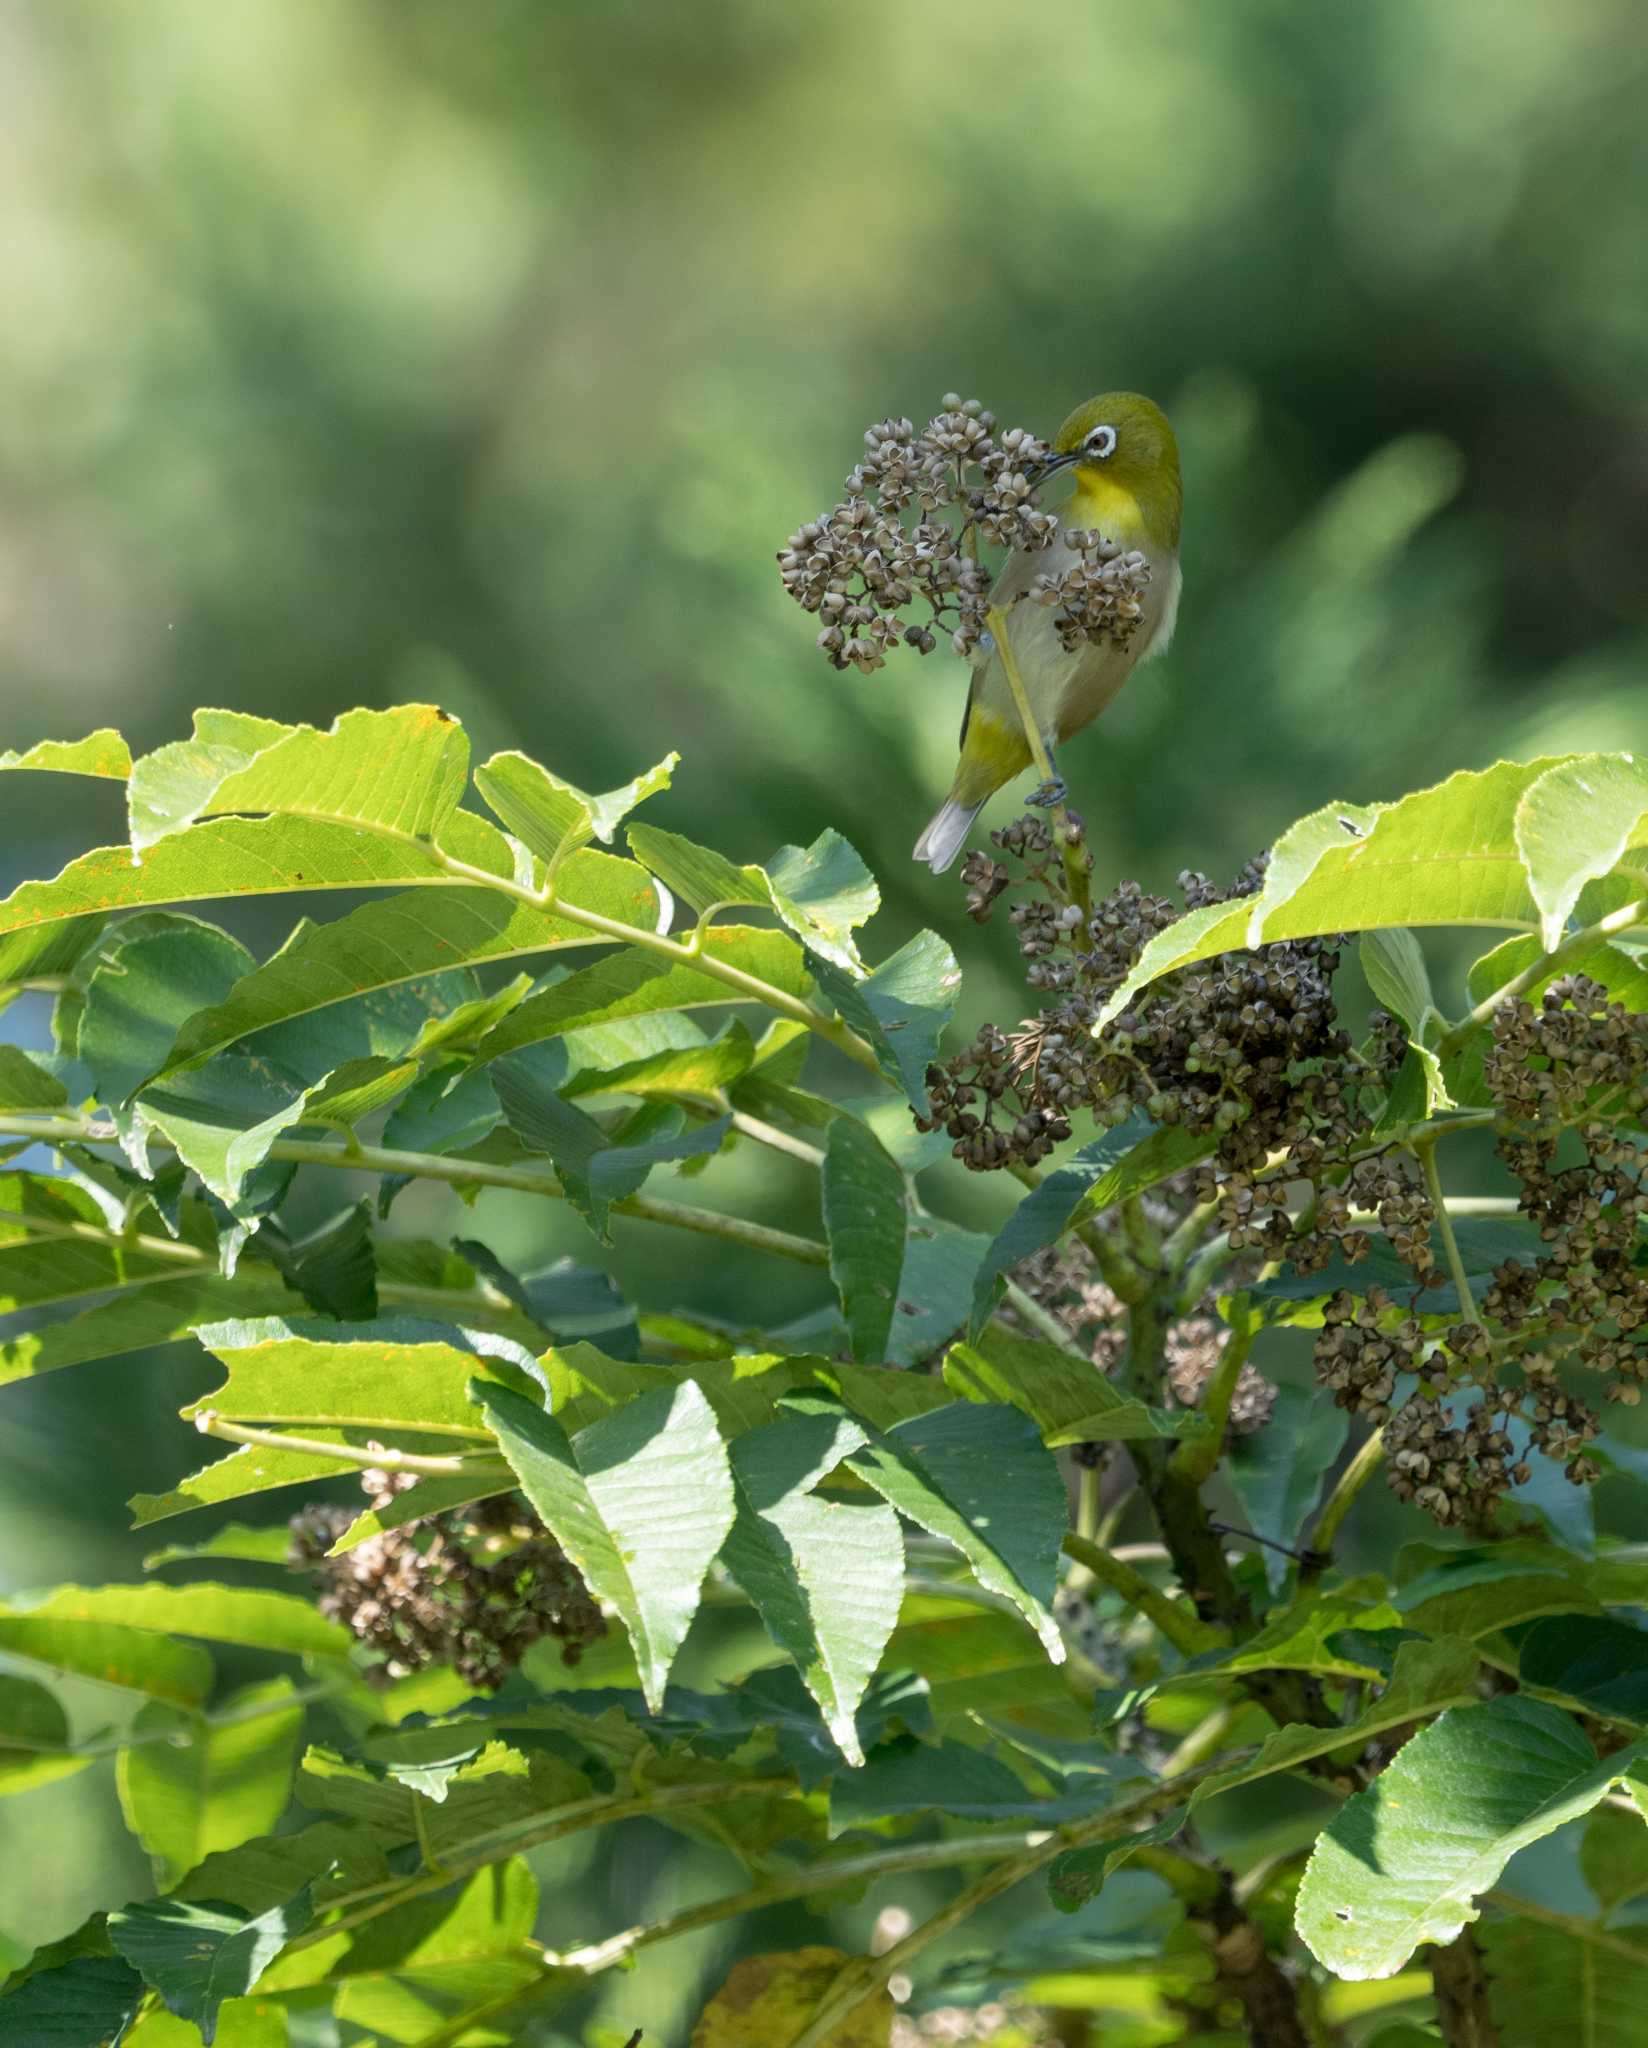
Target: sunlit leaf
(640,1501)
(1402,1862)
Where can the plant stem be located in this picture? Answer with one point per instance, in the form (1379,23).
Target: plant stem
(209,1423)
(1042,1320)
(776,1140)
(1187,1635)
(1198,1459)
(1070,837)
(1351,1481)
(458,1173)
(1574,947)
(1425,1153)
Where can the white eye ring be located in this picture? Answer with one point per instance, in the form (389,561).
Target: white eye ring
(1101,442)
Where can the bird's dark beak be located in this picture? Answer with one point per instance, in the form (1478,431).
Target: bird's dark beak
(1055,463)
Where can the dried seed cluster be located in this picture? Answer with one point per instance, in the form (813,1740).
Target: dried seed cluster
(1246,1050)
(473,1588)
(908,532)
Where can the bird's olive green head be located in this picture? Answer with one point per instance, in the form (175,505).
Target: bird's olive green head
(1121,442)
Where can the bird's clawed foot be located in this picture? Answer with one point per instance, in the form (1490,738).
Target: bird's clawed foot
(1049,795)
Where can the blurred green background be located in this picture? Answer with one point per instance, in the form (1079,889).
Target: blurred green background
(359,351)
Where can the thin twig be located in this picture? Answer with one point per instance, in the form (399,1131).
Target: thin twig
(1574,947)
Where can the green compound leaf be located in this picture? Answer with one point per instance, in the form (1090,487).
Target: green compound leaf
(864,1221)
(1068,1399)
(635,983)
(901,1009)
(171,786)
(1425,1679)
(593,1170)
(34,1737)
(1574,825)
(1613,1855)
(554,818)
(823,892)
(400,938)
(640,1501)
(1401,1863)
(979,1476)
(197,1956)
(1581,1986)
(1446,855)
(144,991)
(1590,1658)
(826,1576)
(135,1658)
(89,2002)
(251,1615)
(213,1781)
(103,753)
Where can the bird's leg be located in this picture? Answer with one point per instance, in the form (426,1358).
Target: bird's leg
(1050,794)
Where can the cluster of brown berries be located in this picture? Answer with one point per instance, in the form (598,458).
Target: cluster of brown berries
(1245,1049)
(909,529)
(474,1588)
(1570,1076)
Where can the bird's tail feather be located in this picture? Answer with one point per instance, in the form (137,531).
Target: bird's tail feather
(946,834)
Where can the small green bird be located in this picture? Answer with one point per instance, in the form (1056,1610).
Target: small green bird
(1126,463)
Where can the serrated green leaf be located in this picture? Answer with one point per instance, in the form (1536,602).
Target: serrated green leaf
(198,1956)
(171,785)
(143,992)
(1427,1678)
(906,1776)
(1445,855)
(554,818)
(1401,1862)
(698,1070)
(1394,964)
(1574,824)
(334,1267)
(935,1287)
(399,771)
(640,1501)
(396,939)
(697,875)
(636,983)
(826,1576)
(227,857)
(213,1781)
(824,892)
(901,1009)
(145,1316)
(1277,1471)
(103,753)
(952,1470)
(88,2002)
(1613,1855)
(250,1615)
(24,1085)
(247,1545)
(34,1737)
(864,1221)
(1068,1399)
(1582,1987)
(135,1659)
(1600,1662)
(593,1171)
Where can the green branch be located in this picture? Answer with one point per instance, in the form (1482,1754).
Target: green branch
(1189,1636)
(458,1173)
